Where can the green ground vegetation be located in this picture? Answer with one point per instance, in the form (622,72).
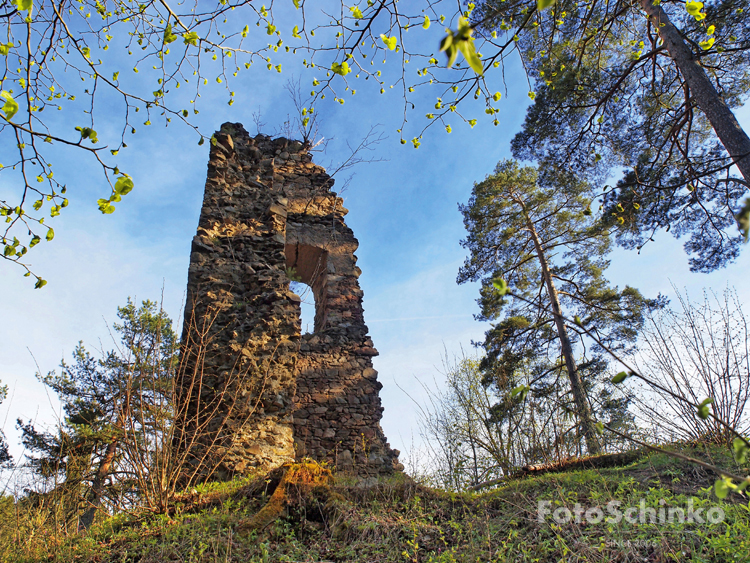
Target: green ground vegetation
(342,518)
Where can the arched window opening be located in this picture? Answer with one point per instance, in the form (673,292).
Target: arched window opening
(307,270)
(307,305)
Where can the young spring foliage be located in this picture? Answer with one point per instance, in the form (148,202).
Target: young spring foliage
(141,55)
(76,53)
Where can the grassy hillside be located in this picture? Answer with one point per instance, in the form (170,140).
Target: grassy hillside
(320,518)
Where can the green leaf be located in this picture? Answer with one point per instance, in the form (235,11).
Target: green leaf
(390,42)
(620,377)
(50,234)
(40,283)
(469,52)
(169,37)
(461,40)
(703,410)
(426,24)
(245,31)
(10,107)
(694,9)
(521,391)
(543,4)
(447,41)
(356,12)
(707,44)
(190,38)
(124,185)
(296,3)
(24,5)
(452,52)
(721,488)
(743,219)
(107,208)
(342,68)
(741,450)
(5,48)
(500,285)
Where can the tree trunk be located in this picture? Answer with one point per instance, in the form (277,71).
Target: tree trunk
(585,418)
(105,467)
(723,121)
(97,486)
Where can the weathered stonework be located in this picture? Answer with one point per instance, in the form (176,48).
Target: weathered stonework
(257,393)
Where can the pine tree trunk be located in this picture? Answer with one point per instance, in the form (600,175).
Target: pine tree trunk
(585,418)
(723,121)
(97,486)
(105,467)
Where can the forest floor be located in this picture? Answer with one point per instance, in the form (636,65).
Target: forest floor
(306,514)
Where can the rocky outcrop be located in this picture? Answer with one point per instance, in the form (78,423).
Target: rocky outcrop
(254,392)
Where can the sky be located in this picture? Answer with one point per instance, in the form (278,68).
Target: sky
(403,209)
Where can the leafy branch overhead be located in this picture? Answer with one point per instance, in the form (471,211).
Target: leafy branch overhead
(462,41)
(77,54)
(647,88)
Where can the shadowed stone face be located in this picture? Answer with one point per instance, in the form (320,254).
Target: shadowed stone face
(254,392)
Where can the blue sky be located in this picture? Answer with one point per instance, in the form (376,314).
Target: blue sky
(403,211)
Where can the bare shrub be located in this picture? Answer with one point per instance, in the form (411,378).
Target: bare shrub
(134,433)
(699,351)
(475,431)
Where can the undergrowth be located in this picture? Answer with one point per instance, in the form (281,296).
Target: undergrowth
(304,513)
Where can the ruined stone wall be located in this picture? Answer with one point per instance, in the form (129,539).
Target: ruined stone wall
(256,392)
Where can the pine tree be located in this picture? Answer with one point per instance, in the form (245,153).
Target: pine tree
(5,457)
(540,237)
(648,87)
(114,406)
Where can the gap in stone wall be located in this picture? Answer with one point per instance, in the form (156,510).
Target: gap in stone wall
(307,266)
(307,305)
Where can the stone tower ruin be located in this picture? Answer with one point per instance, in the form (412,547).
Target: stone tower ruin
(254,391)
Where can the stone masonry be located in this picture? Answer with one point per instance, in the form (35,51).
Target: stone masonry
(254,392)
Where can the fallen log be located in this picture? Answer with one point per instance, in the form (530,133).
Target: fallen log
(590,462)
